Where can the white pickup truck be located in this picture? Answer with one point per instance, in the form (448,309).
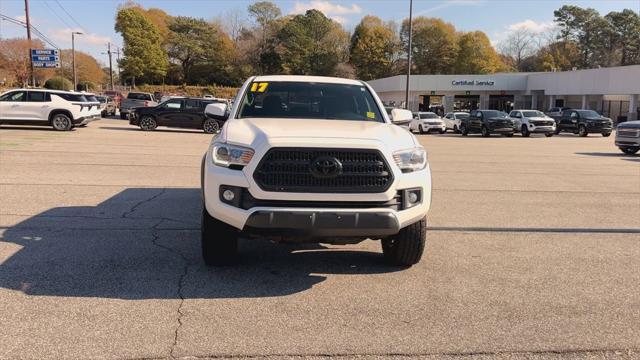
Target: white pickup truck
(314,159)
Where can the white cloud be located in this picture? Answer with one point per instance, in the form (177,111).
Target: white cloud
(87,38)
(534,27)
(334,11)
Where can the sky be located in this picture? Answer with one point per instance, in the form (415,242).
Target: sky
(56,19)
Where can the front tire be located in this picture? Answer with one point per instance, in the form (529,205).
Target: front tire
(148,123)
(525,131)
(455,129)
(406,248)
(420,129)
(443,131)
(606,134)
(582,131)
(61,122)
(629,151)
(548,134)
(463,130)
(210,126)
(219,241)
(485,131)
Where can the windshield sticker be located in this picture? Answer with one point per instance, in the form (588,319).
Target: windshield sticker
(371,115)
(259,87)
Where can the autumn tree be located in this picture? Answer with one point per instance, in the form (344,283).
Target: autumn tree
(434,47)
(373,48)
(88,70)
(587,29)
(143,52)
(476,55)
(15,62)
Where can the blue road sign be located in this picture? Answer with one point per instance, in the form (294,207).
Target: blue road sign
(45,52)
(44,64)
(47,58)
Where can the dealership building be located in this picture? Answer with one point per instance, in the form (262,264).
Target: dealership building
(612,91)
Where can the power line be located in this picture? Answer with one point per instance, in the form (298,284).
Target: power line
(70,16)
(46,3)
(33,28)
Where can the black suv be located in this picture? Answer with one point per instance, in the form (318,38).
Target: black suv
(487,122)
(175,112)
(584,122)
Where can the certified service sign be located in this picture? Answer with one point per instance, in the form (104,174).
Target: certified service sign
(473,82)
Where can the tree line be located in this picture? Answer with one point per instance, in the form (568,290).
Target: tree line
(176,50)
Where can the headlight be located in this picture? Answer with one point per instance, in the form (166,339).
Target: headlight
(411,159)
(230,155)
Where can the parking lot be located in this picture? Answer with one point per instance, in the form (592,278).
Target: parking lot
(533,251)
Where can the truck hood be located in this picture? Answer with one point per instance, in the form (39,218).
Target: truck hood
(252,131)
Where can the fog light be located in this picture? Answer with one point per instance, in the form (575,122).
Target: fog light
(228,195)
(413,197)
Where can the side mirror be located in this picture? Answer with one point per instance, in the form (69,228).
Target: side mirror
(401,116)
(216,110)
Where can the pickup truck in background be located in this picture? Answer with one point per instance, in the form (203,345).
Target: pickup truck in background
(136,100)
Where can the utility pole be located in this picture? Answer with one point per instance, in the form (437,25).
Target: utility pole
(110,66)
(28,21)
(406,94)
(73,58)
(118,59)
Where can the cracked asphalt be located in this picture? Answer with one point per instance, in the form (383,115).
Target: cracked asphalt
(533,252)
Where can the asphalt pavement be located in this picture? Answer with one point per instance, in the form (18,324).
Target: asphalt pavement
(533,252)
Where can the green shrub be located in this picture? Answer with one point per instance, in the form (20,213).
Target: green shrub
(58,83)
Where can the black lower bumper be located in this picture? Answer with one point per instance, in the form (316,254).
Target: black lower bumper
(322,223)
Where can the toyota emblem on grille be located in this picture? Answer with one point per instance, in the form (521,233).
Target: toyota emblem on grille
(325,167)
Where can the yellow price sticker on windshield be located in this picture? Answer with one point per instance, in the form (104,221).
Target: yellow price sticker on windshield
(259,87)
(371,115)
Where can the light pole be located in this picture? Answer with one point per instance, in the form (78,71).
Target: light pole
(406,94)
(73,58)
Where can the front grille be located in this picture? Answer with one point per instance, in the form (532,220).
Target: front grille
(433,123)
(289,170)
(543,123)
(629,132)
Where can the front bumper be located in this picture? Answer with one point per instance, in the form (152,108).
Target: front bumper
(628,142)
(599,128)
(305,223)
(542,129)
(312,220)
(427,126)
(503,130)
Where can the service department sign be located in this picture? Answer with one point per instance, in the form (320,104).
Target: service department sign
(472,83)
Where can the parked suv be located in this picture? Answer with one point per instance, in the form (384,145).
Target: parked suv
(528,122)
(556,112)
(487,122)
(61,110)
(452,120)
(584,122)
(628,137)
(314,159)
(175,112)
(427,122)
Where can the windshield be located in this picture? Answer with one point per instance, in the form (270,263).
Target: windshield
(532,114)
(429,116)
(589,114)
(462,116)
(305,100)
(493,113)
(139,96)
(91,98)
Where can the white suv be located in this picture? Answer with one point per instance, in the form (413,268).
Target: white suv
(528,122)
(60,109)
(426,122)
(452,120)
(313,159)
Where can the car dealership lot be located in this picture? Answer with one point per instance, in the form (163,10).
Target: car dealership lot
(533,252)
